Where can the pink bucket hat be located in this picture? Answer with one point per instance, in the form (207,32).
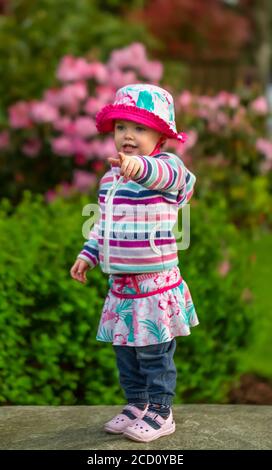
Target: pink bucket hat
(145,104)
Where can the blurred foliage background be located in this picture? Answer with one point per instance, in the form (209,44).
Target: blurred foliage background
(60,63)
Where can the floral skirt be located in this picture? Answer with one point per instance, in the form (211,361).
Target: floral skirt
(143,309)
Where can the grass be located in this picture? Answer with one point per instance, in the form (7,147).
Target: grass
(257,358)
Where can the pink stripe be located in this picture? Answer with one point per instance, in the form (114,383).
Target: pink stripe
(143,172)
(107,179)
(159,179)
(189,195)
(145,168)
(114,259)
(140,219)
(181,173)
(147,294)
(171,177)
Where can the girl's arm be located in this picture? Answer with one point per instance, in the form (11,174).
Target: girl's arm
(89,252)
(165,173)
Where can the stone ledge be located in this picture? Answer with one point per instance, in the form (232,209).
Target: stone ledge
(81,428)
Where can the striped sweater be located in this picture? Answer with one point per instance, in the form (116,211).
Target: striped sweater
(134,231)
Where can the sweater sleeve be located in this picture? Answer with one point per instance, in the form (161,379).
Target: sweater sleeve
(165,173)
(186,192)
(90,251)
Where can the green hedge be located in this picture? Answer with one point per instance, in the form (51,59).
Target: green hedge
(49,354)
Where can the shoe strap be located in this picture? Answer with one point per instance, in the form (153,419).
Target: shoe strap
(136,411)
(155,417)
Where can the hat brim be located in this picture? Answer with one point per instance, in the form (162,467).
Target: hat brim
(106,117)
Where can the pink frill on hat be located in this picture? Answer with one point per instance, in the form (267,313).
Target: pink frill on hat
(106,117)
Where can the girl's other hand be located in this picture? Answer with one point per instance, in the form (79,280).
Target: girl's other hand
(78,270)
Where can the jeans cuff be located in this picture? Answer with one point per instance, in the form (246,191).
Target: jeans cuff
(139,398)
(161,400)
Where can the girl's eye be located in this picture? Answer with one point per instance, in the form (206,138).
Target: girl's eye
(120,127)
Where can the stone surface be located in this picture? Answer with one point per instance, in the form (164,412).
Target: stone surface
(81,428)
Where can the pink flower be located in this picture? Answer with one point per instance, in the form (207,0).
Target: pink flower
(191,140)
(117,78)
(185,99)
(62,146)
(107,148)
(162,280)
(32,147)
(227,99)
(234,101)
(83,180)
(264,146)
(107,315)
(43,112)
(4,140)
(207,101)
(52,96)
(131,56)
(99,72)
(224,268)
(137,53)
(105,93)
(203,113)
(64,124)
(72,69)
(50,195)
(85,127)
(169,303)
(266,166)
(152,71)
(19,115)
(92,106)
(260,105)
(71,95)
(81,147)
(222,119)
(239,117)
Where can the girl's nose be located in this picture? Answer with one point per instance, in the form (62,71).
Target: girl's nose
(128,133)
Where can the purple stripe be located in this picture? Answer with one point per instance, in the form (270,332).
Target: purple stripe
(135,243)
(140,200)
(88,255)
(134,202)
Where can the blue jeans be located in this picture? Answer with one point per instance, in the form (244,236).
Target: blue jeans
(147,373)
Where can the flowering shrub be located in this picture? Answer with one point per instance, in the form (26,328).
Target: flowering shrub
(51,145)
(229,151)
(54,140)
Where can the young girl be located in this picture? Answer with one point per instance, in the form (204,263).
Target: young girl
(148,303)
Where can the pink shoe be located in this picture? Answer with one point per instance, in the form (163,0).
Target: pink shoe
(141,431)
(119,423)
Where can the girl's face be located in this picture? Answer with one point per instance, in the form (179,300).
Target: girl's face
(132,138)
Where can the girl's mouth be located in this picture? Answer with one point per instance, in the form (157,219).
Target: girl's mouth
(129,148)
